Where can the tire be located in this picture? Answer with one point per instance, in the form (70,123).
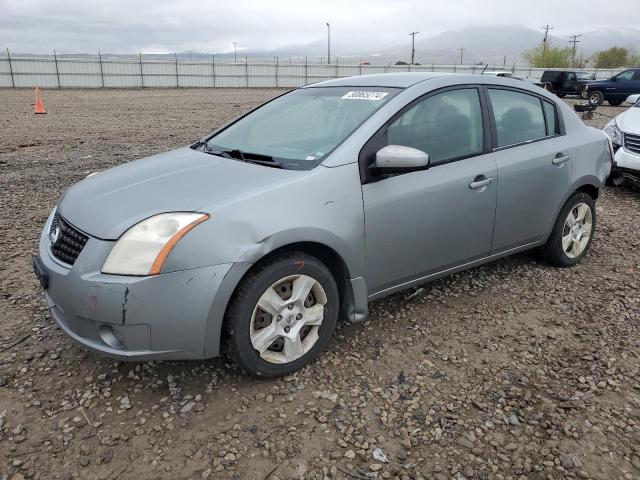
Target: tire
(595,97)
(561,95)
(615,103)
(291,337)
(560,249)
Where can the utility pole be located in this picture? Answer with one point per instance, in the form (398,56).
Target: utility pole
(328,44)
(546,29)
(235,51)
(413,46)
(461,51)
(574,40)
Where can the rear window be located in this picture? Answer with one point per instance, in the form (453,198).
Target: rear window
(551,117)
(519,117)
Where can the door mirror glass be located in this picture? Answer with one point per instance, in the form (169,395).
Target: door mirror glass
(400,157)
(632,99)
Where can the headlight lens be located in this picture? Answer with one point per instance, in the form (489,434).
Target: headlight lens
(613,132)
(144,248)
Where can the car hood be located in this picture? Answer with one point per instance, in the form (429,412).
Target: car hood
(629,121)
(106,204)
(598,82)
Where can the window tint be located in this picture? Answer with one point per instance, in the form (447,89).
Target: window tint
(518,117)
(626,75)
(446,126)
(550,114)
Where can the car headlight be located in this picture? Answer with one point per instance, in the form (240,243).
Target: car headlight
(143,249)
(614,133)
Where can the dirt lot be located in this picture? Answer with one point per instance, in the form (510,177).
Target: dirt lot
(512,370)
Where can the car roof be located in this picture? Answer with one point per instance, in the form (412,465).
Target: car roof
(397,80)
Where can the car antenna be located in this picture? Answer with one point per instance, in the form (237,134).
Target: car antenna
(484,69)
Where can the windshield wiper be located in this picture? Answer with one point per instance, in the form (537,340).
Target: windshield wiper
(246,157)
(269,163)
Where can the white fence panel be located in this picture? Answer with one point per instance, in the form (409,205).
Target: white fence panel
(52,72)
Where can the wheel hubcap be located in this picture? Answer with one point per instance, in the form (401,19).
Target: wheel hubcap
(286,319)
(577,230)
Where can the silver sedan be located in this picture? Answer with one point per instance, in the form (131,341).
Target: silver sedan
(257,239)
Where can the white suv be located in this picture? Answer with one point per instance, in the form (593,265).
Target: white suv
(624,132)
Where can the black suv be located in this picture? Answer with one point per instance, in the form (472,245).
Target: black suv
(563,82)
(616,89)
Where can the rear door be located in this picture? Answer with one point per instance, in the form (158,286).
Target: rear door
(534,161)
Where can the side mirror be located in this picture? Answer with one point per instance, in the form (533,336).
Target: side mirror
(593,76)
(632,99)
(399,157)
(614,79)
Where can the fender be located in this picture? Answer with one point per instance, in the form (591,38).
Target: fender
(587,180)
(354,306)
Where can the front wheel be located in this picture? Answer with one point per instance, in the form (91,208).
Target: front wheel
(561,95)
(282,315)
(596,97)
(572,233)
(615,103)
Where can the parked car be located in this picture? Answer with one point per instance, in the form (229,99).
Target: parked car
(533,82)
(257,238)
(615,89)
(624,132)
(566,82)
(499,73)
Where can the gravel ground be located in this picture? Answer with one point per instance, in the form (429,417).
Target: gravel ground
(511,370)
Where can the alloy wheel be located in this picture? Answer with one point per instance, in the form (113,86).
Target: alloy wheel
(577,230)
(286,319)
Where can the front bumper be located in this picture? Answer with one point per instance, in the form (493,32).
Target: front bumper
(130,318)
(626,164)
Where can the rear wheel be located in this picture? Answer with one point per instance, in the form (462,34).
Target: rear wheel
(282,315)
(615,103)
(572,233)
(596,97)
(561,95)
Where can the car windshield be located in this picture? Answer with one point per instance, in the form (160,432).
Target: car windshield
(298,130)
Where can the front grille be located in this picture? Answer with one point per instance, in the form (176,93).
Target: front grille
(66,242)
(632,142)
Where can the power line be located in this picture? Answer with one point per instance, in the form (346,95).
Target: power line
(574,40)
(413,45)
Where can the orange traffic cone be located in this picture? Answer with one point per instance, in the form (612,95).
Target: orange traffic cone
(39,102)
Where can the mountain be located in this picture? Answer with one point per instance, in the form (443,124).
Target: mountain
(491,44)
(480,44)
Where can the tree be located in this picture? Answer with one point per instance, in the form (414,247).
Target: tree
(549,57)
(614,57)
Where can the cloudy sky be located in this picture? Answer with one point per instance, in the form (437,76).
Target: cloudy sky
(158,26)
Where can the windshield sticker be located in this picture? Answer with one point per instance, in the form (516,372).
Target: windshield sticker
(364,95)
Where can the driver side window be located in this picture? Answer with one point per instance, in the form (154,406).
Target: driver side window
(625,76)
(446,126)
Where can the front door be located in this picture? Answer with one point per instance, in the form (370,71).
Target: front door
(626,83)
(427,221)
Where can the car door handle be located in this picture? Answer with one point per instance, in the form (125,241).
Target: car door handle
(560,159)
(481,182)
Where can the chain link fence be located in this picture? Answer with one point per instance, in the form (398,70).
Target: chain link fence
(99,72)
